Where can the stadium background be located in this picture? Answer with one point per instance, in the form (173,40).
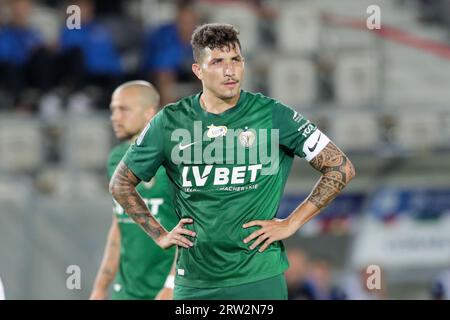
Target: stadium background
(382,95)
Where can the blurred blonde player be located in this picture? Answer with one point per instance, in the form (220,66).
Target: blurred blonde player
(137,267)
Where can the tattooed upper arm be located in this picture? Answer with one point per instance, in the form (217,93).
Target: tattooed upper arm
(332,161)
(122,176)
(337,172)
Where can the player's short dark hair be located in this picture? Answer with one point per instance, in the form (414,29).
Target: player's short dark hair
(214,36)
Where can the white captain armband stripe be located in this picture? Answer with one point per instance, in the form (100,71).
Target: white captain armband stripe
(314,144)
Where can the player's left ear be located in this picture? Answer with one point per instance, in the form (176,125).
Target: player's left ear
(197,71)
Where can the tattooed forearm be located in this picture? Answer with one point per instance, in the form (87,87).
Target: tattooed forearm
(148,223)
(337,172)
(123,189)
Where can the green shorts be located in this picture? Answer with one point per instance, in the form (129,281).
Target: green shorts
(268,289)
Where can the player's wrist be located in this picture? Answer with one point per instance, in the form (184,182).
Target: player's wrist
(303,214)
(163,240)
(292,223)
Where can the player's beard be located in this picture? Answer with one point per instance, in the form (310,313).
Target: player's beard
(133,137)
(229,94)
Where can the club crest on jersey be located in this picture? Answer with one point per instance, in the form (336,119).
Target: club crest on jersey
(247,138)
(229,146)
(216,131)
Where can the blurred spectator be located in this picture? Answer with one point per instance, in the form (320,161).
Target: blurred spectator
(296,275)
(167,56)
(440,287)
(320,280)
(308,280)
(89,56)
(24,60)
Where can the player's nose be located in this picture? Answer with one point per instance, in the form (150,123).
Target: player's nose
(228,70)
(114,117)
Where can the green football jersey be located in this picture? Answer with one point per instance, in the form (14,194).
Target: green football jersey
(228,169)
(144,266)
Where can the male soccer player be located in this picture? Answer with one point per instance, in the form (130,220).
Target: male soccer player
(229,153)
(139,266)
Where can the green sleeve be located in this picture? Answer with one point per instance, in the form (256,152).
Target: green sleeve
(296,133)
(146,155)
(294,129)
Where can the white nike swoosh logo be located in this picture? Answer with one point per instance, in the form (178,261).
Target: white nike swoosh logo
(187,145)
